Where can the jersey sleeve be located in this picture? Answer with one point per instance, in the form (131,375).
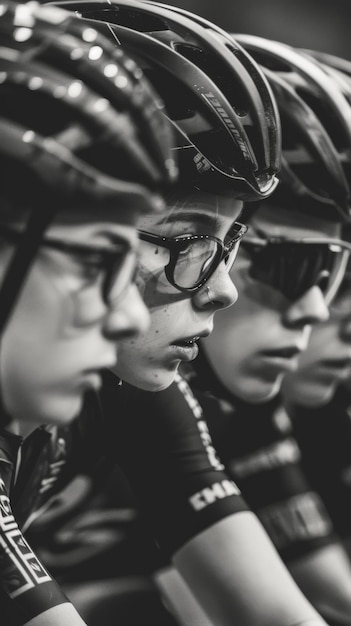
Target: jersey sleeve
(26,588)
(262,455)
(161,441)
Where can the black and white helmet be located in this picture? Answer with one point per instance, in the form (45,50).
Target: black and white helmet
(316,128)
(79,125)
(217,98)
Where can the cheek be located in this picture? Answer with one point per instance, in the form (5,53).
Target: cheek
(164,318)
(31,347)
(324,342)
(28,358)
(35,315)
(157,292)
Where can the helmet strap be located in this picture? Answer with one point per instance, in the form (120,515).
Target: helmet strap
(21,261)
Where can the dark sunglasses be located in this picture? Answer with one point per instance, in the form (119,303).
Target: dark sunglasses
(292,266)
(118,262)
(194,258)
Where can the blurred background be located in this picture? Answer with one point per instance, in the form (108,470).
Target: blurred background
(319,24)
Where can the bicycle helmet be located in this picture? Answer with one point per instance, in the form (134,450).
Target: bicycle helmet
(316,129)
(79,126)
(339,69)
(330,60)
(221,106)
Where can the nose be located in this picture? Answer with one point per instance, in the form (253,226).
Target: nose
(128,316)
(310,309)
(220,291)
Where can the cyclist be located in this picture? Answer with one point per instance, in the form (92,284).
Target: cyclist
(286,284)
(317,399)
(68,253)
(189,501)
(317,395)
(270,326)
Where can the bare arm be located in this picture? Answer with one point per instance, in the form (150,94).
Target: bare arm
(325,578)
(61,615)
(237,576)
(179,599)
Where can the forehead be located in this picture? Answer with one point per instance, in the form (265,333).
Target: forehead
(200,208)
(98,215)
(277,221)
(94,226)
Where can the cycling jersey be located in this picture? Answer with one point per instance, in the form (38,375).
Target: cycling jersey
(324,436)
(26,587)
(261,454)
(161,442)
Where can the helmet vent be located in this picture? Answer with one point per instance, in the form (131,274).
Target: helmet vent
(326,117)
(122,16)
(270,62)
(218,72)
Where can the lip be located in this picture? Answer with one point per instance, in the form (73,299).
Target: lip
(336,367)
(187,349)
(282,359)
(289,352)
(186,353)
(337,363)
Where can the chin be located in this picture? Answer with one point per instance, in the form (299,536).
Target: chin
(258,392)
(157,381)
(63,411)
(317,399)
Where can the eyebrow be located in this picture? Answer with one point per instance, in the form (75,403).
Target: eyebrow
(117,239)
(192,216)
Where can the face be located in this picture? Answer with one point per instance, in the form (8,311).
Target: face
(178,319)
(256,342)
(66,323)
(327,361)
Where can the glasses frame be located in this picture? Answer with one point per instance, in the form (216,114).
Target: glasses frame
(109,260)
(342,245)
(175,245)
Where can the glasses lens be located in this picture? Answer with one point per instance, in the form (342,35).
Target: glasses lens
(119,274)
(337,274)
(195,262)
(231,256)
(293,268)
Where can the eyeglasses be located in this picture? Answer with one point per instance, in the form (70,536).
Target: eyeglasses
(118,263)
(292,266)
(341,306)
(194,258)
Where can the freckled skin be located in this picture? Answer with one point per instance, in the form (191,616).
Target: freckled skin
(152,360)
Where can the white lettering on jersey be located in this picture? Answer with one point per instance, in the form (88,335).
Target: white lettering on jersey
(209,495)
(15,552)
(280,453)
(201,423)
(299,518)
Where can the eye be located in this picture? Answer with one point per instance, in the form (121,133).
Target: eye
(94,261)
(90,265)
(185,247)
